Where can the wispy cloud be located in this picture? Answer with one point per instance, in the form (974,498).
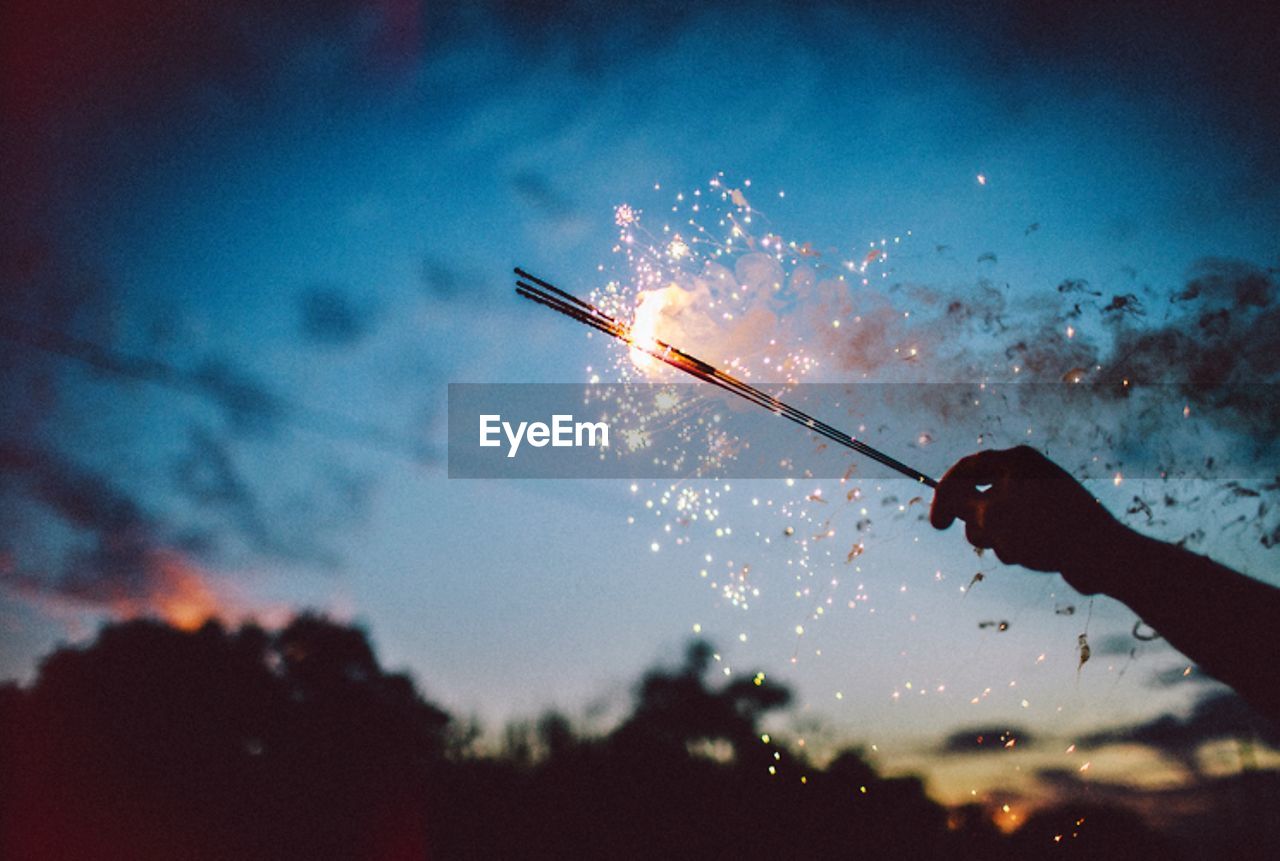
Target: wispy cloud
(1216,715)
(987,739)
(120,562)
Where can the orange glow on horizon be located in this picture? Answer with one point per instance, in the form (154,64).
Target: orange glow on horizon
(173,589)
(1007,819)
(184,597)
(176,591)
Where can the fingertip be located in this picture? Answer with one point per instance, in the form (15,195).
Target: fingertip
(976,535)
(939,517)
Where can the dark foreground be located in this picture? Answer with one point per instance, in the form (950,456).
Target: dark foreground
(158,743)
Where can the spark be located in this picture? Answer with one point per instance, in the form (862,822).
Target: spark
(639,335)
(683,288)
(624,215)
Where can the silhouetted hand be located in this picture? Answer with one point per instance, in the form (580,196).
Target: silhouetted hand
(1033,513)
(1030,512)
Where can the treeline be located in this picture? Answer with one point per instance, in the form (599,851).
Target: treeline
(245,743)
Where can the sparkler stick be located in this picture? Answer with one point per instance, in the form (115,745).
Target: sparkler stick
(550,296)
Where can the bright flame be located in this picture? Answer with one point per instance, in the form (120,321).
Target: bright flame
(644,326)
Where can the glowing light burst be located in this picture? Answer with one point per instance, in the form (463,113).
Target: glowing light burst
(644,326)
(710,273)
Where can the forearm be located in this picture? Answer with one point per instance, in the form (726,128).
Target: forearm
(1227,623)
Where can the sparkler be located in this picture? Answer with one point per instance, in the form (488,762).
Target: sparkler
(550,296)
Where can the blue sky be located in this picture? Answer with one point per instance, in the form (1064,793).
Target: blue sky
(311,224)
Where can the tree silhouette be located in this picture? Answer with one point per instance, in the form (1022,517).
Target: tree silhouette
(153,742)
(164,744)
(677,709)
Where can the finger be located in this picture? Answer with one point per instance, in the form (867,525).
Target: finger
(976,535)
(982,467)
(957,491)
(1002,524)
(1006,553)
(1012,532)
(952,502)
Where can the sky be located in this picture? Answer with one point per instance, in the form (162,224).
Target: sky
(244,251)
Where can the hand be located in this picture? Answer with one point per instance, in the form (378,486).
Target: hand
(1032,514)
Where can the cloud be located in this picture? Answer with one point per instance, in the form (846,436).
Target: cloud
(328,317)
(559,215)
(73,536)
(133,59)
(538,192)
(86,501)
(1217,715)
(1226,57)
(1116,644)
(211,475)
(1182,674)
(248,403)
(444,277)
(986,739)
(61,309)
(165,584)
(137,78)
(120,562)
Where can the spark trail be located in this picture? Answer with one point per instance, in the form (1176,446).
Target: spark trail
(550,296)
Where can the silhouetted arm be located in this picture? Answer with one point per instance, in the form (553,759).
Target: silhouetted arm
(1034,514)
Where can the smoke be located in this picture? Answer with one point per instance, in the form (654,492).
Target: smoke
(1212,343)
(1179,381)
(730,314)
(1221,346)
(1183,379)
